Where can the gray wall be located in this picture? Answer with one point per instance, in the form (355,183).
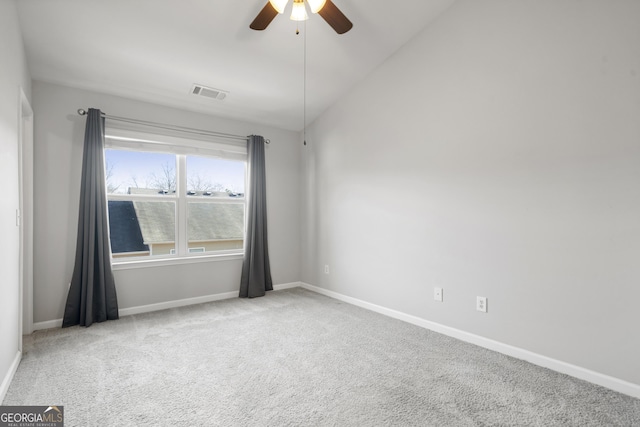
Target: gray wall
(58,156)
(13,75)
(497,154)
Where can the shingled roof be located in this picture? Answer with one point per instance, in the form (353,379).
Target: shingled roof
(206,221)
(124,228)
(136,225)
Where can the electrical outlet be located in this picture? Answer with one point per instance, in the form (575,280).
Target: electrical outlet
(481,304)
(326,269)
(437,294)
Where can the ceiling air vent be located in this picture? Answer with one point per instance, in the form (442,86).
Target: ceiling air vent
(208,92)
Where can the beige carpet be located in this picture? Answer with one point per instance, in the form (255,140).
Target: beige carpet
(294,358)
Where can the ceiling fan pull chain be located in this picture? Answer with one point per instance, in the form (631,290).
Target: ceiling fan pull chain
(304,85)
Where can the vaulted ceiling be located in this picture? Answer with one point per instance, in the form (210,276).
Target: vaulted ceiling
(155,50)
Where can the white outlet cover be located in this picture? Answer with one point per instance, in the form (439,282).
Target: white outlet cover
(481,304)
(437,294)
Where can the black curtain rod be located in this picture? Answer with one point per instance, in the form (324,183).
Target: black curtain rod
(83,112)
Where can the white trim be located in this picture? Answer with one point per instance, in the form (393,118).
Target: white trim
(287,286)
(182,217)
(192,301)
(607,381)
(177,303)
(6,382)
(25,185)
(130,263)
(49,324)
(119,138)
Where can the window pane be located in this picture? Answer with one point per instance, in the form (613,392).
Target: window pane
(141,228)
(215,226)
(211,177)
(139,172)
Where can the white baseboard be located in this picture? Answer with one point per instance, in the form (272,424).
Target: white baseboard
(49,324)
(192,301)
(175,304)
(607,381)
(4,387)
(287,286)
(166,305)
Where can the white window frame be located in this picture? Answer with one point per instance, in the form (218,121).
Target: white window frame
(181,147)
(200,249)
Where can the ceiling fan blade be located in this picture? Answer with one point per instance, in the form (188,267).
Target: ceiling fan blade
(335,18)
(264,18)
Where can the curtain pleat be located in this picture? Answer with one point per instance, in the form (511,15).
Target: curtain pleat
(92,295)
(256,271)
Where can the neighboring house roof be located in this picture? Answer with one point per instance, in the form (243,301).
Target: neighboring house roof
(157,221)
(228,223)
(124,228)
(206,221)
(135,225)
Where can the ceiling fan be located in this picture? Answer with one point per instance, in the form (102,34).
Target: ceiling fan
(324,8)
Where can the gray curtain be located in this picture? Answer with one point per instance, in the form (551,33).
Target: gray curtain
(92,295)
(256,272)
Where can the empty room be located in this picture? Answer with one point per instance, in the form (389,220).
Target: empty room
(320,213)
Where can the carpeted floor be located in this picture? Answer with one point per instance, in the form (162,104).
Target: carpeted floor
(294,358)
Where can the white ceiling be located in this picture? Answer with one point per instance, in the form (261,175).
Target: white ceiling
(155,50)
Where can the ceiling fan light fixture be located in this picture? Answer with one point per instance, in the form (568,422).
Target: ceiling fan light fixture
(316,5)
(299,11)
(325,8)
(278,5)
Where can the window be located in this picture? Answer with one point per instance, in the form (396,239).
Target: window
(172,197)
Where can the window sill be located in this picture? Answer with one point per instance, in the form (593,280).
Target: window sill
(163,262)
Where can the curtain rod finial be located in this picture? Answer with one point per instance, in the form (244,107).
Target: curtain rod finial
(82,112)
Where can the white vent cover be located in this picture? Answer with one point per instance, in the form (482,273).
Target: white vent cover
(208,92)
